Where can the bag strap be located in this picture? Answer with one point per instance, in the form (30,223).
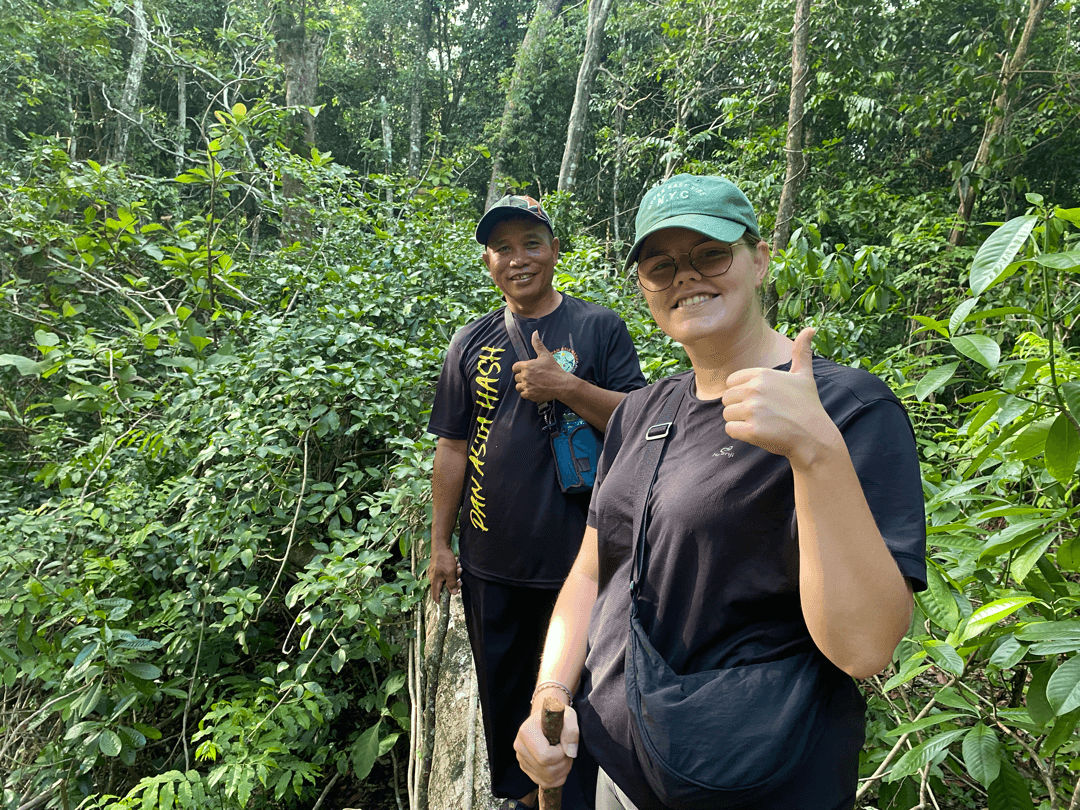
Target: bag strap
(655,440)
(514,331)
(545,409)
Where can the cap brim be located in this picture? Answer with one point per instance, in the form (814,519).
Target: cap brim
(496,215)
(718,228)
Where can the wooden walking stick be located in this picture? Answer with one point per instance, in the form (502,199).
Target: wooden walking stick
(551,724)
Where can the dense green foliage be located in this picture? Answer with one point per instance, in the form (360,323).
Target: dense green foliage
(217,351)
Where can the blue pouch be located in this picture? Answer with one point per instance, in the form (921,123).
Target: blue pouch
(576,450)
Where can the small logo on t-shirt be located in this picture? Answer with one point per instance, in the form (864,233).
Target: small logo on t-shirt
(566,358)
(726,452)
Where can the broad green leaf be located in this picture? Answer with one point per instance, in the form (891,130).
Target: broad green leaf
(1063,688)
(24,365)
(945,656)
(956,320)
(1068,555)
(1068,260)
(1008,653)
(1012,536)
(150,797)
(908,671)
(926,722)
(1032,440)
(1048,631)
(109,743)
(993,612)
(980,348)
(48,339)
(1062,449)
(997,252)
(1009,791)
(1061,733)
(934,380)
(337,660)
(364,752)
(931,325)
(1070,392)
(918,757)
(1029,554)
(982,754)
(147,672)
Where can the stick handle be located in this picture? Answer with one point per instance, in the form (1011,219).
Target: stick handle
(551,720)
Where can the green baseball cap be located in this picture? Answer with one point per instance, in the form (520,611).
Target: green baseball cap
(713,206)
(511,206)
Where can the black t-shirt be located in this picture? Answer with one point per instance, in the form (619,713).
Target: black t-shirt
(721,585)
(516,526)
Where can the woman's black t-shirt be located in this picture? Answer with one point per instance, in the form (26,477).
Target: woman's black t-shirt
(721,587)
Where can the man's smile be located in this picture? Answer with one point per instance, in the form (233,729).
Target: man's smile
(693,300)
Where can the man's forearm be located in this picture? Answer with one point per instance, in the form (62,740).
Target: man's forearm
(590,402)
(447,485)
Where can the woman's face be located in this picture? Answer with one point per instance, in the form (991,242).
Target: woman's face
(697,307)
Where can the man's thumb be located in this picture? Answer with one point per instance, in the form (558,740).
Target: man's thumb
(802,359)
(538,344)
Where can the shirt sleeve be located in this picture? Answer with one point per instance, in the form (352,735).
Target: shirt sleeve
(881,444)
(452,408)
(621,368)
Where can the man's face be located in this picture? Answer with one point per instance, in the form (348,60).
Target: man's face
(520,256)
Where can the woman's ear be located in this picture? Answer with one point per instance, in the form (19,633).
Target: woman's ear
(761,261)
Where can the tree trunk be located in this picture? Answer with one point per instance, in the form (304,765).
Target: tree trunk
(181,118)
(529,54)
(995,126)
(129,98)
(793,146)
(579,113)
(299,51)
(419,81)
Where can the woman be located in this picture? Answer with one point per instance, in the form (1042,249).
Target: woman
(786,518)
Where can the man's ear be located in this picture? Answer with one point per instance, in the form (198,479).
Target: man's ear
(555,246)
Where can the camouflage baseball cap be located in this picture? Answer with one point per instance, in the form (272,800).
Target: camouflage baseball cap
(510,206)
(713,206)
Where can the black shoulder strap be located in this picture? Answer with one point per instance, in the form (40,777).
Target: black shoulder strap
(514,332)
(655,440)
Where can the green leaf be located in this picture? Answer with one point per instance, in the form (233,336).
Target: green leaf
(1070,392)
(1009,791)
(109,743)
(1008,653)
(1063,689)
(998,251)
(364,752)
(337,660)
(921,755)
(1067,260)
(945,656)
(934,380)
(982,754)
(993,612)
(937,601)
(1062,449)
(24,365)
(1061,733)
(147,672)
(926,722)
(956,320)
(1026,558)
(43,338)
(980,348)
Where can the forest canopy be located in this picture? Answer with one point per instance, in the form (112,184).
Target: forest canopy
(236,238)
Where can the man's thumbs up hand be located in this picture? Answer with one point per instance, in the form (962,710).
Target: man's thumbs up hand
(779,411)
(539,347)
(542,379)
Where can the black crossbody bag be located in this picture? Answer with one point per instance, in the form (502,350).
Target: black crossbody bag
(722,738)
(574,444)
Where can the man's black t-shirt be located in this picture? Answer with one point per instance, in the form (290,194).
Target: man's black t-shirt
(516,525)
(721,587)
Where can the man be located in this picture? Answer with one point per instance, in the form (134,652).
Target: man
(519,533)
